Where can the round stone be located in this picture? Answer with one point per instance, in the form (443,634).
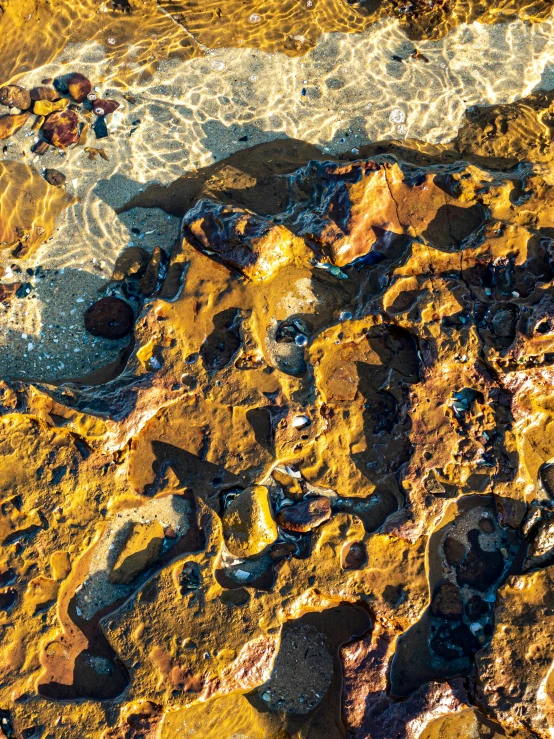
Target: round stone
(111,318)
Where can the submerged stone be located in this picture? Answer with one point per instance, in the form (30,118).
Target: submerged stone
(61,128)
(110,317)
(15,96)
(10,124)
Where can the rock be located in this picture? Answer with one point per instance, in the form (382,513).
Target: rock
(8,291)
(190,578)
(104,107)
(131,264)
(149,280)
(248,524)
(41,147)
(504,324)
(511,512)
(355,556)
(78,86)
(306,515)
(100,128)
(447,601)
(111,318)
(141,549)
(61,128)
(15,97)
(45,107)
(359,205)
(543,541)
(242,240)
(44,93)
(54,177)
(10,124)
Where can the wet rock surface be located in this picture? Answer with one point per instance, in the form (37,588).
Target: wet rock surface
(317,492)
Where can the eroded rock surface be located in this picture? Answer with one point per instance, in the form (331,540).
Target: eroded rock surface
(316,495)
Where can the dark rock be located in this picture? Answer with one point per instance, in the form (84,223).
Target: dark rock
(454,641)
(131,264)
(454,551)
(447,601)
(355,557)
(41,147)
(480,569)
(149,280)
(15,97)
(111,318)
(306,515)
(190,578)
(44,93)
(504,324)
(54,177)
(100,128)
(476,607)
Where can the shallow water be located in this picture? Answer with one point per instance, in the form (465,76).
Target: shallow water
(183,113)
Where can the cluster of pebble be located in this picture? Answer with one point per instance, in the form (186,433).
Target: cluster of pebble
(64,109)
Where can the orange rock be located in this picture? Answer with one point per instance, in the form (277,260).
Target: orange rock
(15,96)
(10,124)
(79,87)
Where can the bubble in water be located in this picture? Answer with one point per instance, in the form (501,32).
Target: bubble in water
(218,65)
(254,18)
(397,115)
(301,340)
(345,315)
(402,129)
(111,41)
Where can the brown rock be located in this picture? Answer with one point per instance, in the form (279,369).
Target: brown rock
(61,128)
(362,204)
(79,87)
(41,147)
(306,515)
(354,556)
(242,240)
(10,124)
(447,601)
(131,264)
(15,97)
(104,107)
(8,291)
(44,93)
(149,280)
(111,318)
(54,177)
(141,549)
